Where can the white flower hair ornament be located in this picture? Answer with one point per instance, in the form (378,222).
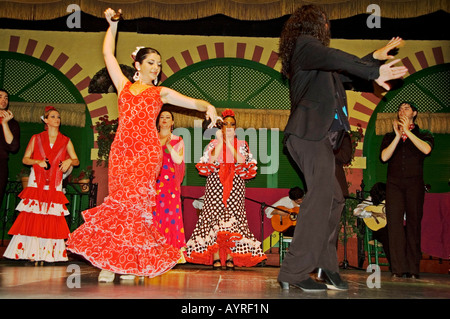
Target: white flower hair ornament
(133,55)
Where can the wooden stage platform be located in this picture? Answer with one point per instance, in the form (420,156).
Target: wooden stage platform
(188,286)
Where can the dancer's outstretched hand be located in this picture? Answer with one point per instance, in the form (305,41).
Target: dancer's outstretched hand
(389,72)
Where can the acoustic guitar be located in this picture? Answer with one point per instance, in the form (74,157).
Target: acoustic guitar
(378,218)
(282,223)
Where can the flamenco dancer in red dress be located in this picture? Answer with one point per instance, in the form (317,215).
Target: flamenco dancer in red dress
(40,229)
(119,236)
(221,236)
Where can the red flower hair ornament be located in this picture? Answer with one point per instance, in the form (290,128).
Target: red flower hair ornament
(227,112)
(49,108)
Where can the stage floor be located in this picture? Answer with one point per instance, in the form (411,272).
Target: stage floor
(78,280)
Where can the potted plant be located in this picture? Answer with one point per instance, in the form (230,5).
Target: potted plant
(106,130)
(84,178)
(356,137)
(348,220)
(23,176)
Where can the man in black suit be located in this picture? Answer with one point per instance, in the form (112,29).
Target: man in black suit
(317,75)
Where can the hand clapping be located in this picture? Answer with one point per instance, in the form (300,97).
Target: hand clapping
(6,115)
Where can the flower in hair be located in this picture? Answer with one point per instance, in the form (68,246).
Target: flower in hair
(49,108)
(227,112)
(133,55)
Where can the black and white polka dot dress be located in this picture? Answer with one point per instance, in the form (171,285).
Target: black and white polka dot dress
(221,227)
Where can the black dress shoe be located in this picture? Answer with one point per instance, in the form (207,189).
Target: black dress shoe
(412,276)
(217,265)
(320,275)
(229,264)
(307,285)
(310,285)
(397,275)
(284,285)
(334,281)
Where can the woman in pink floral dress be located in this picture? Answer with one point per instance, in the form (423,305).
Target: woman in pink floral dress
(167,214)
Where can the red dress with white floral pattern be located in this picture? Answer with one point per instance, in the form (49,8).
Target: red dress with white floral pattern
(119,235)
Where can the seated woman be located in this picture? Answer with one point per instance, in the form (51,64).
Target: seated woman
(221,235)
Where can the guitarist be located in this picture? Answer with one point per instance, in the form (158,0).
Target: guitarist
(376,199)
(293,200)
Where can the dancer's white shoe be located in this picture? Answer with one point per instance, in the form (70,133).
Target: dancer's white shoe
(127,277)
(130,277)
(106,276)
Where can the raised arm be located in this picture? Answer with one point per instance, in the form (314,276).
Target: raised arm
(177,151)
(11,133)
(109,45)
(169,96)
(421,145)
(387,152)
(390,72)
(383,53)
(312,55)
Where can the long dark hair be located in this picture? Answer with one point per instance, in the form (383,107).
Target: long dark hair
(306,20)
(159,115)
(143,52)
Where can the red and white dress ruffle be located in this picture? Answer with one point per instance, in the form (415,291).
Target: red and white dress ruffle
(222,226)
(40,230)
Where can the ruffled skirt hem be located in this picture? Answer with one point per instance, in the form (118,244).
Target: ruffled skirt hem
(36,249)
(224,245)
(41,226)
(145,254)
(110,266)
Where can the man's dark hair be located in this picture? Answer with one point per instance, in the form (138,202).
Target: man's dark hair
(413,107)
(306,20)
(296,193)
(378,193)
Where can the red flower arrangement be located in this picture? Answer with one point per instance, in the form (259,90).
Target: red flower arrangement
(356,137)
(106,130)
